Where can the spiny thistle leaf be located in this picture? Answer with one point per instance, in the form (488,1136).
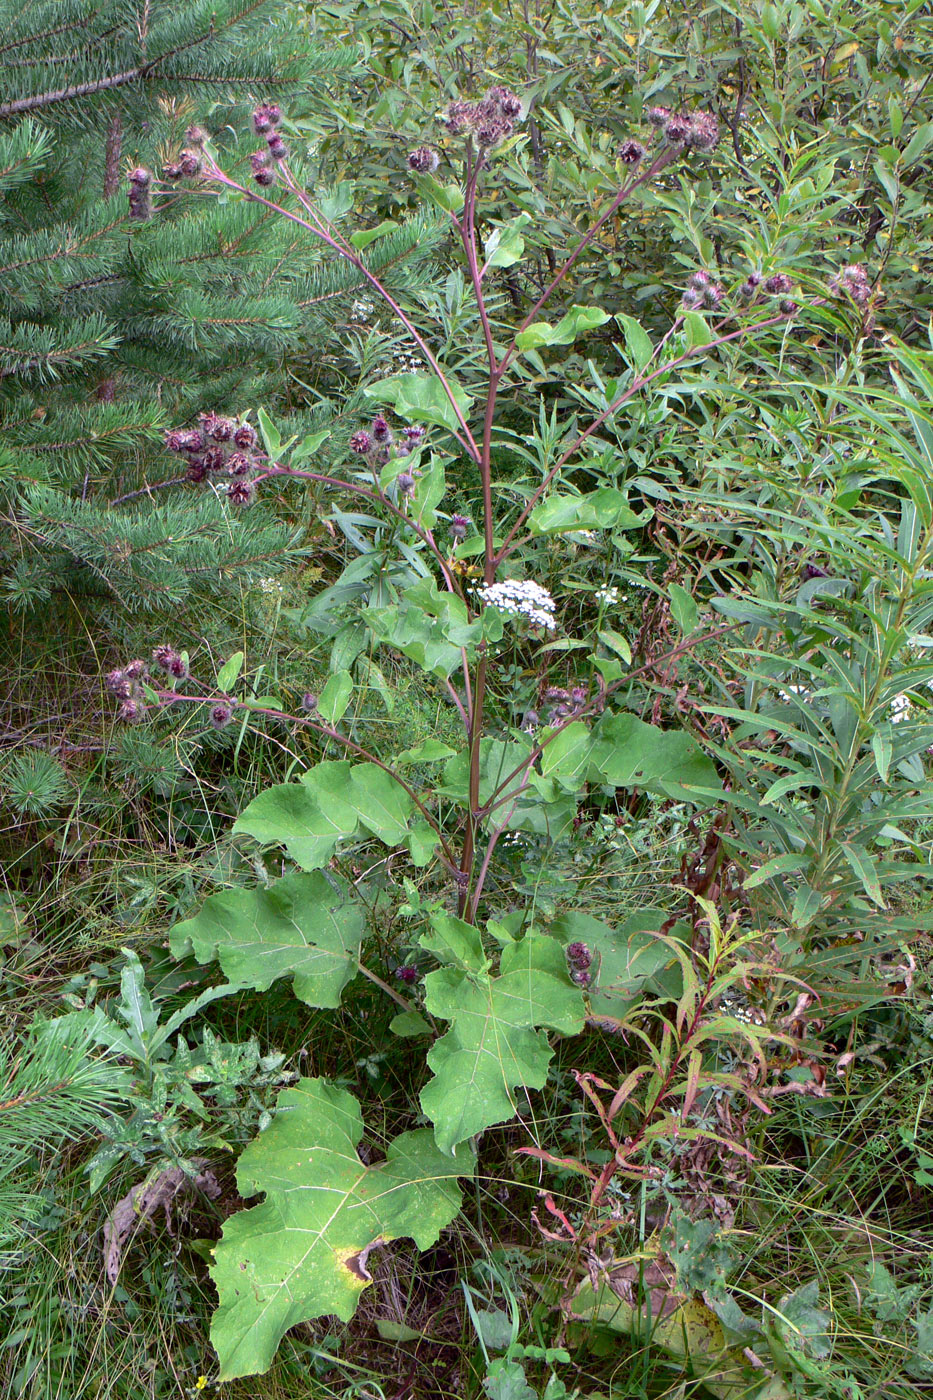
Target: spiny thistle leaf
(303,1252)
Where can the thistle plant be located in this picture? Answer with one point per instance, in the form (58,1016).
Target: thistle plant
(502,980)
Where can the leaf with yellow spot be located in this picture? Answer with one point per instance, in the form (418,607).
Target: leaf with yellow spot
(304,1251)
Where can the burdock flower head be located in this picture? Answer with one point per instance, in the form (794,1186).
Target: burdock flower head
(245,436)
(172,662)
(778,285)
(631,152)
(380,430)
(695,131)
(221,715)
(361,442)
(405,483)
(140,181)
(189,162)
(266,116)
(458,527)
(259,164)
(579,961)
(241,492)
(701,291)
(852,281)
(489,121)
(424,160)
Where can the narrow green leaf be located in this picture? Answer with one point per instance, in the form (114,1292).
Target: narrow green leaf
(865,870)
(335,697)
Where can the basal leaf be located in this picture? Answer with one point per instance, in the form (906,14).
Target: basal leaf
(306,926)
(302,1253)
(496,1042)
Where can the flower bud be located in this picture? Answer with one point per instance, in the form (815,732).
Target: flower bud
(380,429)
(309,701)
(788,307)
(196,135)
(277,147)
(265,178)
(405,482)
(131,711)
(778,285)
(140,198)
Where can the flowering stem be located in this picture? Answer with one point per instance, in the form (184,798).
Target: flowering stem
(465,440)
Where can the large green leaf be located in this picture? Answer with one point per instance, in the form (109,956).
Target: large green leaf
(422,398)
(304,925)
(496,1042)
(605,509)
(303,1252)
(308,818)
(629,753)
(625,959)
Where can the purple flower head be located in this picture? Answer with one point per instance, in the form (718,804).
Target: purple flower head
(631,152)
(245,436)
(813,571)
(118,684)
(178,668)
(136,670)
(277,147)
(264,178)
(221,715)
(361,442)
(221,429)
(677,129)
(140,197)
(424,160)
(778,285)
(238,464)
(140,176)
(259,160)
(408,975)
(458,527)
(165,657)
(852,281)
(171,170)
(460,117)
(131,711)
(405,482)
(266,116)
(196,135)
(788,307)
(197,470)
(413,435)
(189,162)
(309,701)
(703,132)
(241,492)
(380,429)
(214,459)
(658,116)
(579,694)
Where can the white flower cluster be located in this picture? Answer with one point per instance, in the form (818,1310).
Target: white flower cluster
(608,596)
(362,309)
(521,598)
(272,586)
(900,708)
